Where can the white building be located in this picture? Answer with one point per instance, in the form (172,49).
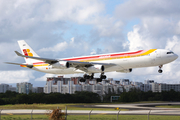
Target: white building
(159,87)
(70,85)
(4,88)
(62,85)
(148,85)
(24,87)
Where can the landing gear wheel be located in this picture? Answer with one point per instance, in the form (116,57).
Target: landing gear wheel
(102,76)
(86,76)
(82,80)
(99,80)
(92,76)
(160,71)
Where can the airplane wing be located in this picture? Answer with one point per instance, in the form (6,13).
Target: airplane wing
(21,64)
(75,64)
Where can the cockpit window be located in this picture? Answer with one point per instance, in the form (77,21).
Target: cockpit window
(170,53)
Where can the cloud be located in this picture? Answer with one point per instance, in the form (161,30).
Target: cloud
(149,8)
(44,78)
(16,76)
(172,43)
(78,11)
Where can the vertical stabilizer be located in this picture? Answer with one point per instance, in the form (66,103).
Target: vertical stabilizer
(28,51)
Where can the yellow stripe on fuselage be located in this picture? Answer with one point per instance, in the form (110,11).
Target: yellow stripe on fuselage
(148,52)
(112,58)
(40,65)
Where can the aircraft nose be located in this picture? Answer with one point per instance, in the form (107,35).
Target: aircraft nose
(175,56)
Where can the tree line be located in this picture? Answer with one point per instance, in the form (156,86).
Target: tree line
(134,95)
(19,98)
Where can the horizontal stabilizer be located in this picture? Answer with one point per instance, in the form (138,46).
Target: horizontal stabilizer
(21,64)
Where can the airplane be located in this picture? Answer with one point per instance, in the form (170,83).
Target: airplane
(89,65)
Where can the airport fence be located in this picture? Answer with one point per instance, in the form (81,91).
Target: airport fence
(32,114)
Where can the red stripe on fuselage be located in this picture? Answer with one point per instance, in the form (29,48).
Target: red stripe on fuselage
(99,56)
(104,56)
(38,63)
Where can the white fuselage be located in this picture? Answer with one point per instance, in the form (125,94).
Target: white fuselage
(123,61)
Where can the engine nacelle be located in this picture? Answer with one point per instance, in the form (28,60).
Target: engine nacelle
(125,70)
(96,68)
(61,65)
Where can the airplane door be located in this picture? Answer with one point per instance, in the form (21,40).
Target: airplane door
(158,57)
(158,54)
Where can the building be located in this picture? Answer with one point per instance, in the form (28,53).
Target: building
(38,90)
(4,88)
(148,85)
(62,85)
(24,87)
(70,85)
(11,88)
(159,87)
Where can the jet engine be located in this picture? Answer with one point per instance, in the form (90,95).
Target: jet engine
(125,70)
(61,65)
(96,68)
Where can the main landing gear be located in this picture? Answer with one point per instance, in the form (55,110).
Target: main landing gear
(160,70)
(85,76)
(102,76)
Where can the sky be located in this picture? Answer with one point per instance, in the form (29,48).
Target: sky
(70,28)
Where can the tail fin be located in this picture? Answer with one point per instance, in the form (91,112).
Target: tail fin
(28,51)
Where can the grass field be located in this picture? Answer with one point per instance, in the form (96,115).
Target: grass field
(92,117)
(169,106)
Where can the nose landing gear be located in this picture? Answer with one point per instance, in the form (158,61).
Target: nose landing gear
(160,70)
